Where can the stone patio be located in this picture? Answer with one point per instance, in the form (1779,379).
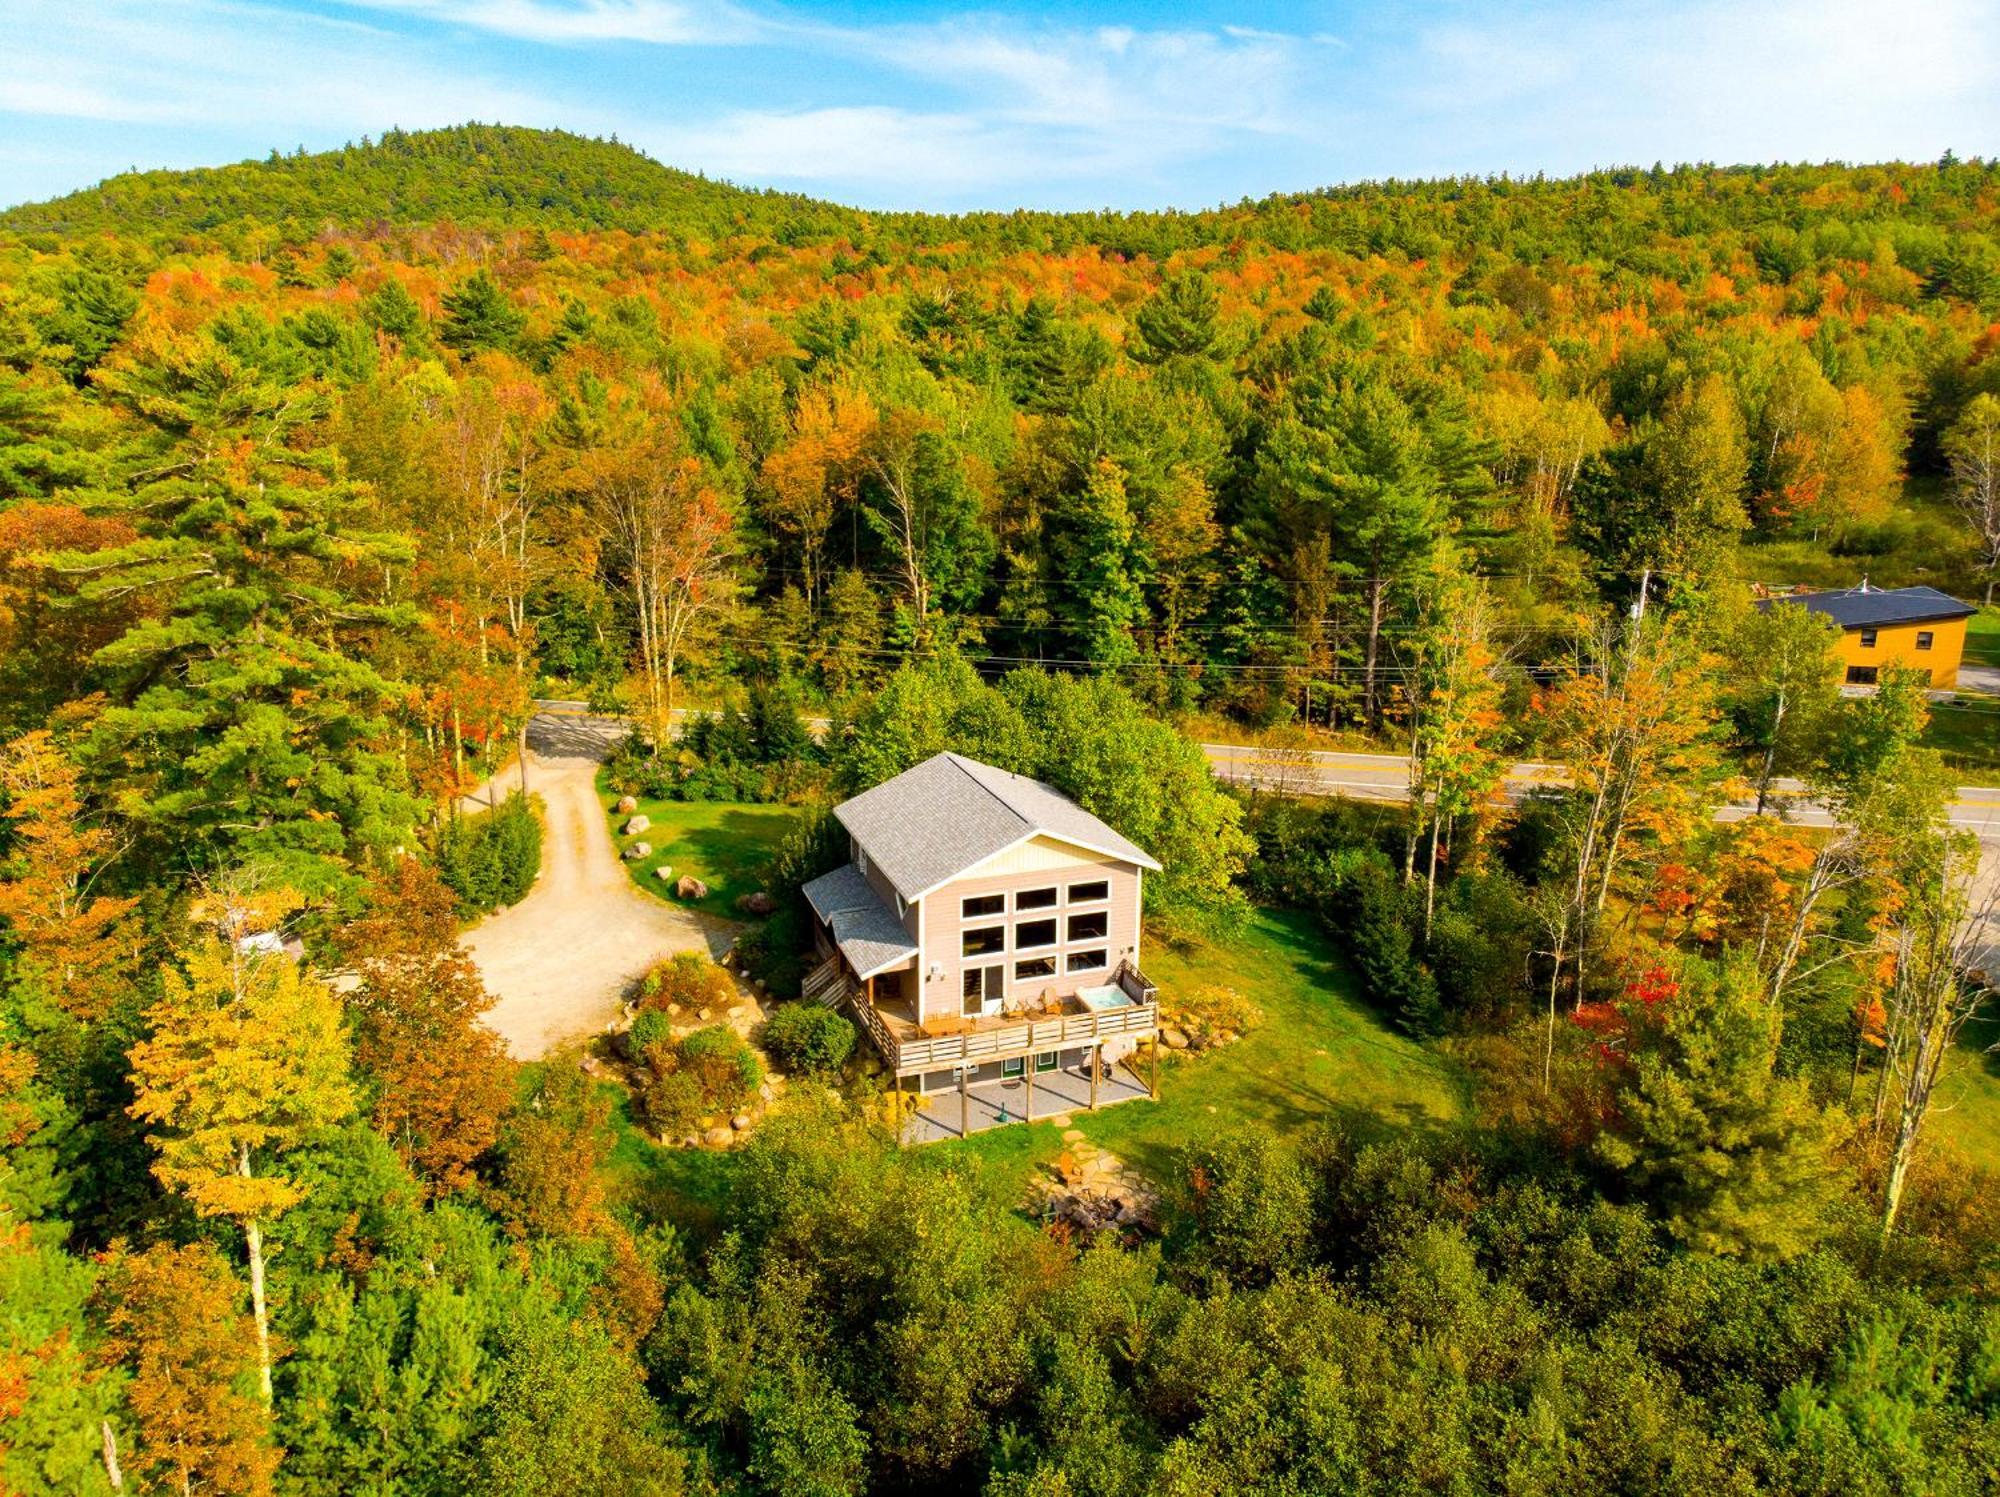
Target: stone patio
(1058,1093)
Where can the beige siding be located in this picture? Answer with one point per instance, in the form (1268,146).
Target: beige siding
(943,927)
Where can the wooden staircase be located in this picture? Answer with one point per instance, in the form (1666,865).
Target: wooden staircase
(826,984)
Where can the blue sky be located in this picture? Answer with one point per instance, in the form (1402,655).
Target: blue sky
(942,106)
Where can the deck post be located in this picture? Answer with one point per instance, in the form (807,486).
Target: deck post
(964,1105)
(1153,1085)
(1028,1070)
(1096,1067)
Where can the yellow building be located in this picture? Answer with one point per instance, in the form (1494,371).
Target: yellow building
(1916,626)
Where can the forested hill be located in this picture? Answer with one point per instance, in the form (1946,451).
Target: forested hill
(476,175)
(1679,223)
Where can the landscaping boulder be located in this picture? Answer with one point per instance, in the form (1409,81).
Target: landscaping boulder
(758,903)
(638,851)
(718,1137)
(663,873)
(740,1122)
(637,825)
(627,805)
(1173,1039)
(689,887)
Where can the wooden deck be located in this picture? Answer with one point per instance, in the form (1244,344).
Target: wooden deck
(911,1050)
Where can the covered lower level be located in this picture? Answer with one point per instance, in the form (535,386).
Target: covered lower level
(955,1104)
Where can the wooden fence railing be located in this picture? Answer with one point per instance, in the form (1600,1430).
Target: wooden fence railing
(1021,1037)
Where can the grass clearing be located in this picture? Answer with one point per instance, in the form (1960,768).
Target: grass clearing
(724,844)
(1966,731)
(1982,637)
(1968,1097)
(1320,1055)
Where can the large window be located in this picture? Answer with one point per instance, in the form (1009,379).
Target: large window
(981,904)
(1013,1067)
(1034,967)
(1035,899)
(984,940)
(1032,933)
(1091,927)
(1088,961)
(1861,675)
(1094,892)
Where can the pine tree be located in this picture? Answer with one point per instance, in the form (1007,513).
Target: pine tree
(1737,1157)
(479,315)
(246,725)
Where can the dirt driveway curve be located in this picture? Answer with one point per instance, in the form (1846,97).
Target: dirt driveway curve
(561,961)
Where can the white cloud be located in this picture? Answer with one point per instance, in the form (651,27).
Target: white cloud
(213,64)
(1787,79)
(562,22)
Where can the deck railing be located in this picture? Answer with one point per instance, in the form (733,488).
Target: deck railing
(1029,1034)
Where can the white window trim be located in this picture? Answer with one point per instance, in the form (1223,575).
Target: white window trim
(1006,944)
(1104,966)
(1103,935)
(1055,922)
(999,914)
(1104,898)
(1039,956)
(1036,909)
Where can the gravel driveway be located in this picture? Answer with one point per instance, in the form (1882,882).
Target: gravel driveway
(561,960)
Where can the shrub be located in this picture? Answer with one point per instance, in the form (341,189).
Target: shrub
(806,1038)
(1246,1206)
(490,859)
(649,1026)
(710,1071)
(690,980)
(1481,940)
(1375,913)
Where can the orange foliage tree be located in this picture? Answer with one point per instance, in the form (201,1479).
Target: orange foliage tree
(173,1319)
(77,945)
(443,1077)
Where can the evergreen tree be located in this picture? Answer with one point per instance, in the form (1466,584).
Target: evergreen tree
(478,315)
(247,724)
(1738,1158)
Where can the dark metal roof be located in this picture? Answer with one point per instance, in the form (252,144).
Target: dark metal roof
(1867,608)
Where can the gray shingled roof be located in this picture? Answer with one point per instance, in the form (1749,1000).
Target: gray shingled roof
(1858,609)
(931,823)
(872,939)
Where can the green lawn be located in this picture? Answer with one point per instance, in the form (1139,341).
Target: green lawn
(1968,1097)
(725,845)
(1982,637)
(1319,1056)
(1967,732)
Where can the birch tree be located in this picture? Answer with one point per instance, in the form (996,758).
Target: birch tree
(246,1061)
(673,536)
(1936,943)
(1973,448)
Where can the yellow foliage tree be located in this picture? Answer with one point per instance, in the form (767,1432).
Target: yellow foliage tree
(247,1060)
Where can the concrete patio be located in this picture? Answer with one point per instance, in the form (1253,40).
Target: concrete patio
(1057,1093)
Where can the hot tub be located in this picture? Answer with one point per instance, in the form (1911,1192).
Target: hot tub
(1098,999)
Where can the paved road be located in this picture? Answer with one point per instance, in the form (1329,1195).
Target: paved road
(561,960)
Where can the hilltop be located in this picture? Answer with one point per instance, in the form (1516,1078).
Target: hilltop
(1679,223)
(475,175)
